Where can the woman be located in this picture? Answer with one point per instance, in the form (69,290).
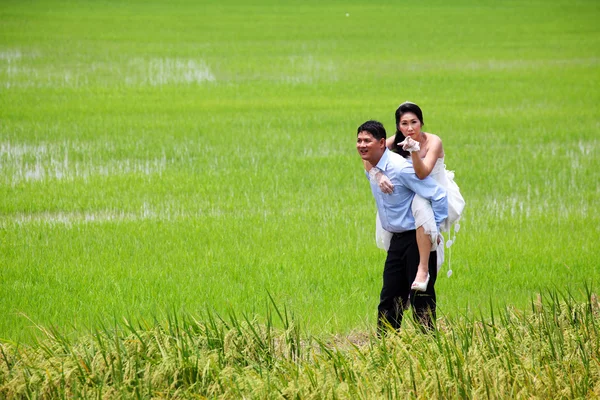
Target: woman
(426,153)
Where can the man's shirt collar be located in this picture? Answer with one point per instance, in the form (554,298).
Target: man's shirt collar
(382,164)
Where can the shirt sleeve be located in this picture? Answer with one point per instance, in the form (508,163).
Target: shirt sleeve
(429,189)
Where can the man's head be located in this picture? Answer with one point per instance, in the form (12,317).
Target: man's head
(370,141)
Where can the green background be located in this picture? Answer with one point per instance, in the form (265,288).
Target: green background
(179,156)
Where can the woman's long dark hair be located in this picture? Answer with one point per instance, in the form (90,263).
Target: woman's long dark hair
(404,108)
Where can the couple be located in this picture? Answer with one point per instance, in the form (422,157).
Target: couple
(410,269)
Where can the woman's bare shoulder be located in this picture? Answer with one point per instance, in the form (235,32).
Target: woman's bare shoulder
(434,138)
(435,144)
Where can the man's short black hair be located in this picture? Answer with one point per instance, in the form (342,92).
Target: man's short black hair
(375,128)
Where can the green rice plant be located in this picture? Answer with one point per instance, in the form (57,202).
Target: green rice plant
(551,352)
(161,158)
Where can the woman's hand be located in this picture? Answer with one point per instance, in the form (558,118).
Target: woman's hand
(410,145)
(383,181)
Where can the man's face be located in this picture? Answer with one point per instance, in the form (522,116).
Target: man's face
(369,148)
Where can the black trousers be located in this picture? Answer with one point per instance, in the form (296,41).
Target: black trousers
(400,270)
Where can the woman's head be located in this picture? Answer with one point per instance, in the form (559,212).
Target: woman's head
(408,107)
(409,121)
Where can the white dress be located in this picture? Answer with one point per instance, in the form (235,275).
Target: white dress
(423,213)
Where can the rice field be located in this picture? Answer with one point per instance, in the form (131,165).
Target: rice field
(549,352)
(164,160)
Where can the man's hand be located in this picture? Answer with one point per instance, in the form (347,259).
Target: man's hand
(383,181)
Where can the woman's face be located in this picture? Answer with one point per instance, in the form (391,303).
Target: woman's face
(410,125)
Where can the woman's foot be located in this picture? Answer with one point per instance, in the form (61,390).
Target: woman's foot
(420,286)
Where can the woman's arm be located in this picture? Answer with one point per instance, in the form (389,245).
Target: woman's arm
(389,142)
(424,166)
(383,181)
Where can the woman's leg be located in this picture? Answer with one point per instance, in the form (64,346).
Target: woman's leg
(424,244)
(426,234)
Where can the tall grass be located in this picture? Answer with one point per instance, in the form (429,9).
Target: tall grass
(550,351)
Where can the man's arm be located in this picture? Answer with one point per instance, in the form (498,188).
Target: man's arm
(429,189)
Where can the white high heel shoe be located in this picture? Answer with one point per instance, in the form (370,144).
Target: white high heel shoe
(420,286)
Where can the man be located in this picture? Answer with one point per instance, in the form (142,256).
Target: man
(396,216)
